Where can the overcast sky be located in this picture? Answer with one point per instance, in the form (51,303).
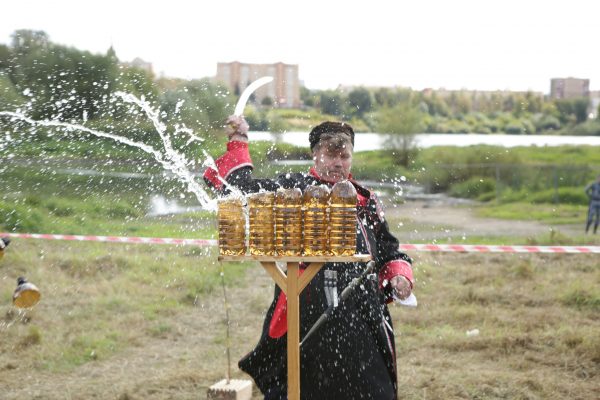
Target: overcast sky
(484,45)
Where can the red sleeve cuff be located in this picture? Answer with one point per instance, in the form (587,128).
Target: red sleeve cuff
(278,324)
(237,156)
(393,268)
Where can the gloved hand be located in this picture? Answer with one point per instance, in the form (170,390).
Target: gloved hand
(236,128)
(401,286)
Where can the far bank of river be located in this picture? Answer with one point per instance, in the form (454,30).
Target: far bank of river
(376,141)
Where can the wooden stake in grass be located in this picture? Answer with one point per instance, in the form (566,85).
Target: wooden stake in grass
(227,339)
(229,389)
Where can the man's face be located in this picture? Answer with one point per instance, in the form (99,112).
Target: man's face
(333,162)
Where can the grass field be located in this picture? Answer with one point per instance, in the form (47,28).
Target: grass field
(123,321)
(141,321)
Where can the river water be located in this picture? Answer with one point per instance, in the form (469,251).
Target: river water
(376,141)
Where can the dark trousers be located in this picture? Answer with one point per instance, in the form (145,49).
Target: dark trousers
(594,210)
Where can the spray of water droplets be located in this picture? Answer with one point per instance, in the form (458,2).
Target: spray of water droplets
(169,158)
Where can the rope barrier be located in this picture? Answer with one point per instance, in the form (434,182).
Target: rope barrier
(451,248)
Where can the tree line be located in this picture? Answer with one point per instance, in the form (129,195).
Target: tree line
(52,81)
(47,80)
(459,111)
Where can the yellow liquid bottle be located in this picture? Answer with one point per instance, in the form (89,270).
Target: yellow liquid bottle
(262,223)
(232,226)
(288,222)
(26,294)
(342,235)
(315,203)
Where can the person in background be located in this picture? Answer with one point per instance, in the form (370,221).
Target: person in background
(593,192)
(353,354)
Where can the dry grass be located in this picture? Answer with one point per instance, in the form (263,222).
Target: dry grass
(142,322)
(534,342)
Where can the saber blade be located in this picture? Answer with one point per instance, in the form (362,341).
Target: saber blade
(241,104)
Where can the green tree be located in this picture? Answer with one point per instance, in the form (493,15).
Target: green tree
(495,103)
(25,41)
(546,122)
(5,56)
(137,81)
(331,102)
(199,104)
(436,105)
(401,123)
(308,97)
(360,101)
(508,103)
(520,105)
(64,82)
(10,98)
(384,97)
(572,110)
(534,102)
(267,101)
(460,103)
(402,95)
(25,46)
(580,108)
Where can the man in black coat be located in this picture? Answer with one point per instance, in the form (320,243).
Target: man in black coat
(352,356)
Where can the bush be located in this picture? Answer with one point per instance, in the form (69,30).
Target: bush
(282,151)
(256,120)
(512,196)
(488,196)
(9,95)
(545,122)
(19,218)
(588,128)
(445,166)
(60,207)
(566,195)
(474,187)
(515,128)
(121,209)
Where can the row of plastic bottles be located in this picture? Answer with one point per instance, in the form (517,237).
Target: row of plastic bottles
(291,223)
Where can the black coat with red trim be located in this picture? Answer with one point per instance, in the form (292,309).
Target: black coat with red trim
(352,356)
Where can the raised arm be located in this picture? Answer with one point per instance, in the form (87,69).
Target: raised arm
(235,166)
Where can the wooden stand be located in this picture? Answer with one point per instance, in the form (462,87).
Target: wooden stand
(292,285)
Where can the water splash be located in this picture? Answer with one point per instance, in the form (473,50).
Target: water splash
(169,158)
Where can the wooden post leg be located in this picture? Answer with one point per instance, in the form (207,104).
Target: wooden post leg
(293,331)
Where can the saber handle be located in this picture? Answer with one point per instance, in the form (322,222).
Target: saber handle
(345,294)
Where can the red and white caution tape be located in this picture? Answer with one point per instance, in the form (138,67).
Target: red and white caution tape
(478,248)
(113,239)
(452,248)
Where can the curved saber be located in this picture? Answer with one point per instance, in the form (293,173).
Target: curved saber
(241,104)
(345,294)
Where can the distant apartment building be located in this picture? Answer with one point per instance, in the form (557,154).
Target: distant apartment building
(284,90)
(569,88)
